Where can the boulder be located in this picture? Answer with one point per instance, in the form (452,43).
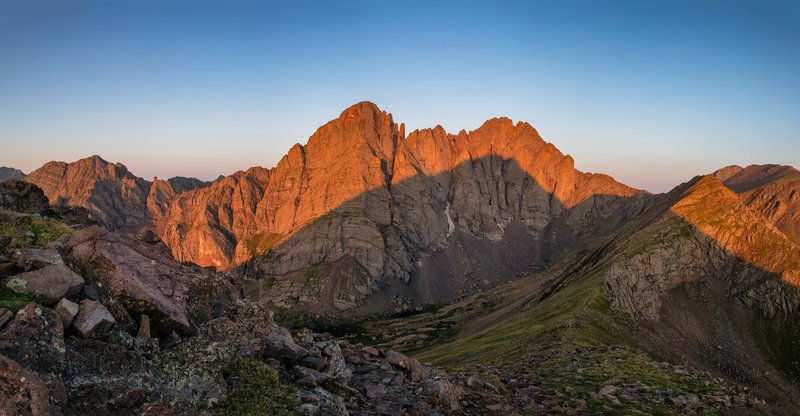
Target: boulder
(141,276)
(35,339)
(66,311)
(35,258)
(26,393)
(50,284)
(93,318)
(280,344)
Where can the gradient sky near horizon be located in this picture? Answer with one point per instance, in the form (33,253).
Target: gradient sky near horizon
(650,92)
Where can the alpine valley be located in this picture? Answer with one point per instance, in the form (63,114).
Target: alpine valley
(374,272)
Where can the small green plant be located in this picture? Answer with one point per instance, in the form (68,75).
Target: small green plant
(12,300)
(257,390)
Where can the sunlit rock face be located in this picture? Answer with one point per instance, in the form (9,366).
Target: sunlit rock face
(361,208)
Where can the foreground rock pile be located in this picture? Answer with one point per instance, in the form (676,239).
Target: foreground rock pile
(111,324)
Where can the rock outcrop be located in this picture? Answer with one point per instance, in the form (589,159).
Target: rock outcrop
(140,276)
(18,195)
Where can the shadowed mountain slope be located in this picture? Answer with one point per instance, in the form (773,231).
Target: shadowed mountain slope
(10,173)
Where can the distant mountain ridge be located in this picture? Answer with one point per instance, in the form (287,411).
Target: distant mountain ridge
(7,173)
(113,195)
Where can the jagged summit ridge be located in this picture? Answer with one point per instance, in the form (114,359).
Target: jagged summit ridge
(362,200)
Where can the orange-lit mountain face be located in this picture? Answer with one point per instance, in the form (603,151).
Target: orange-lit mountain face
(360,200)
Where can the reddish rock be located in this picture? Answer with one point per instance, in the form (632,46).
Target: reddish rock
(34,258)
(142,277)
(35,339)
(50,284)
(23,392)
(93,318)
(371,351)
(397,359)
(66,311)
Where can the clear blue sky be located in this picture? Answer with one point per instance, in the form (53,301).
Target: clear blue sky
(651,92)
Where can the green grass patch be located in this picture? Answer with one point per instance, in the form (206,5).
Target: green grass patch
(578,315)
(45,231)
(256,390)
(12,300)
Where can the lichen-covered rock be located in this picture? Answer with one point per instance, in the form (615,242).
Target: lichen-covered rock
(35,339)
(23,392)
(34,258)
(93,318)
(139,275)
(49,284)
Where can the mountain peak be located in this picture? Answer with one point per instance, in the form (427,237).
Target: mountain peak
(361,109)
(755,176)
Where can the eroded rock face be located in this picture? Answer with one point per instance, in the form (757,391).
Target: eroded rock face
(142,277)
(35,339)
(771,190)
(50,284)
(361,207)
(26,393)
(114,196)
(707,234)
(7,173)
